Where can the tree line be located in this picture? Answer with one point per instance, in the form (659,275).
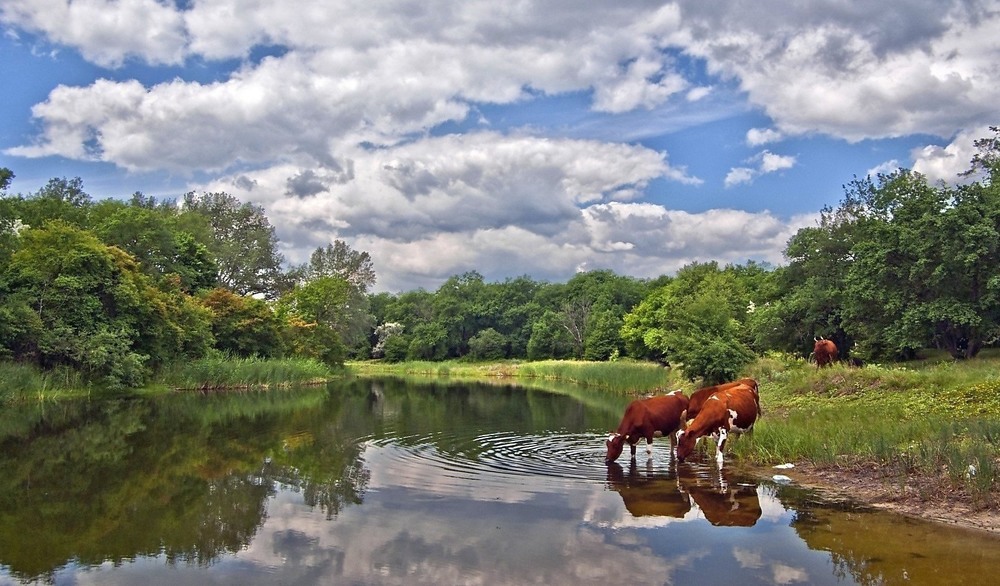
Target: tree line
(117,289)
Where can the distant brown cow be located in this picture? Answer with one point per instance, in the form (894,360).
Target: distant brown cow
(824,352)
(643,419)
(728,410)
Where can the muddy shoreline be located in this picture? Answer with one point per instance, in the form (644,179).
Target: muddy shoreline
(919,497)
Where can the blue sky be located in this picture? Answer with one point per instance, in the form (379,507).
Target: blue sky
(534,138)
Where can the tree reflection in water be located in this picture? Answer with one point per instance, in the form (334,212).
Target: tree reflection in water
(186,476)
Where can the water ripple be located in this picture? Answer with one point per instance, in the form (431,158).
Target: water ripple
(497,459)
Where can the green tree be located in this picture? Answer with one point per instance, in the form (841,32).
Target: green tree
(243,326)
(356,268)
(150,234)
(488,344)
(243,243)
(694,321)
(429,341)
(322,304)
(459,310)
(924,269)
(61,199)
(86,300)
(549,337)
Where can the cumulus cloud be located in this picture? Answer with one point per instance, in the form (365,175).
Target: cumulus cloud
(761,136)
(489,202)
(843,73)
(766,162)
(335,130)
(946,163)
(106,31)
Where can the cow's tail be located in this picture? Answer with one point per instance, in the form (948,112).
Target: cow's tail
(756,398)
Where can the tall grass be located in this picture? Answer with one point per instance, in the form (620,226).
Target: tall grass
(239,373)
(20,383)
(622,377)
(927,420)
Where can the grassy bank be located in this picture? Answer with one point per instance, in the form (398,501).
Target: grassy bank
(242,373)
(928,425)
(20,383)
(624,377)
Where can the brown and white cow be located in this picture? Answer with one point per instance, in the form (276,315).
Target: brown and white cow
(824,352)
(730,410)
(645,418)
(701,395)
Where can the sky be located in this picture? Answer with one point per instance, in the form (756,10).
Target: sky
(530,137)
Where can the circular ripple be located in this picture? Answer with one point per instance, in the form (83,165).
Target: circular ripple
(451,462)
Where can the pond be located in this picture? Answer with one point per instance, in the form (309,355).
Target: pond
(392,482)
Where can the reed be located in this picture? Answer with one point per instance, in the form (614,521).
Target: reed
(621,377)
(242,373)
(20,383)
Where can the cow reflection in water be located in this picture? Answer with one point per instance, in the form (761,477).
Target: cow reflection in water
(646,494)
(723,502)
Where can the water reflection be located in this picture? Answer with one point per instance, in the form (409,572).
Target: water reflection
(714,495)
(725,501)
(648,494)
(386,482)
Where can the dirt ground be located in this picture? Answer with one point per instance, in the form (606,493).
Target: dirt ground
(925,498)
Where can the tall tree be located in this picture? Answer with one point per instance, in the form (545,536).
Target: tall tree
(83,303)
(924,269)
(243,242)
(150,233)
(694,320)
(340,261)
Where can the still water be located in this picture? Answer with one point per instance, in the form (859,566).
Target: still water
(386,482)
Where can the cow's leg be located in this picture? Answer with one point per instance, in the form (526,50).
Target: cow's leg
(649,447)
(721,445)
(632,447)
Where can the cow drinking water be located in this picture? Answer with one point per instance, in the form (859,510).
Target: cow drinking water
(645,417)
(728,410)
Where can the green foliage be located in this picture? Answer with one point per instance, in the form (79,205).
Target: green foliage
(694,321)
(429,341)
(86,298)
(243,243)
(549,338)
(243,326)
(488,344)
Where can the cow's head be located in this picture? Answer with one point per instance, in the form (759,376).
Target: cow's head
(615,443)
(685,444)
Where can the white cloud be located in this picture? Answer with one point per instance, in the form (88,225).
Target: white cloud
(333,132)
(770,162)
(945,163)
(698,93)
(490,202)
(106,32)
(842,73)
(767,162)
(738,175)
(883,168)
(761,136)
